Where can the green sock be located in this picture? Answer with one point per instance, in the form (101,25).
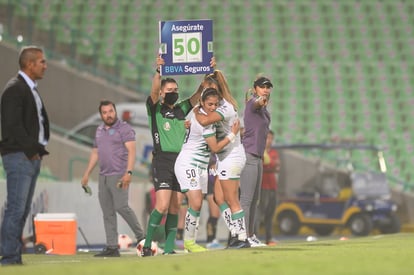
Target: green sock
(170,232)
(153,224)
(180,234)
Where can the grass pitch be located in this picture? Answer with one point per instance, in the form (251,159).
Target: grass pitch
(381,254)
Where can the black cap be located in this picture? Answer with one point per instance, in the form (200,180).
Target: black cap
(262,81)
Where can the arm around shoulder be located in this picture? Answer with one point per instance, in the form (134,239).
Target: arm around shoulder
(211,118)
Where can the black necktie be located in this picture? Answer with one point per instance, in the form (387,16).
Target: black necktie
(43,113)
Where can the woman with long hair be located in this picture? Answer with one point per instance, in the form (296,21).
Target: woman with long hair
(256,126)
(230,160)
(191,166)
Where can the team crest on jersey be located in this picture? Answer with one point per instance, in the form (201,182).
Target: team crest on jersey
(193,183)
(167,126)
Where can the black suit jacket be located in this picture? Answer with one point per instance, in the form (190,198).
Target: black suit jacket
(19,120)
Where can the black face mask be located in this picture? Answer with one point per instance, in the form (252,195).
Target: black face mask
(170,98)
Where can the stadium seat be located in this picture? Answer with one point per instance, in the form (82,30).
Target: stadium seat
(338,67)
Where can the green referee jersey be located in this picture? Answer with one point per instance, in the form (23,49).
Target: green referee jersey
(167,125)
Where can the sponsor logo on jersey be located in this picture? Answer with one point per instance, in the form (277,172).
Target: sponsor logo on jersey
(167,126)
(164,185)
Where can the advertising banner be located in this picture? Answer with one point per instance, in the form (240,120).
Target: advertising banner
(186,46)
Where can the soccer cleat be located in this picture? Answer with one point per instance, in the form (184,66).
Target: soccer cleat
(215,245)
(12,263)
(108,252)
(235,243)
(146,251)
(192,246)
(255,242)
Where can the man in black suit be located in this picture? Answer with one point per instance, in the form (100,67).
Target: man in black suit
(25,133)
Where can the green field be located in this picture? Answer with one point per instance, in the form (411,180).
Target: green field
(381,254)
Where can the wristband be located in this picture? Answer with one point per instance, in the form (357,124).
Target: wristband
(231,137)
(157,70)
(129,172)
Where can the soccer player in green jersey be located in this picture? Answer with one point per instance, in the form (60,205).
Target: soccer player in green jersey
(166,117)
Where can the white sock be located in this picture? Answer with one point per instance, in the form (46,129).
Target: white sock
(191,222)
(226,215)
(239,224)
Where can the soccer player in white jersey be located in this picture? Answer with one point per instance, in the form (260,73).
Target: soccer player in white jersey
(191,166)
(230,161)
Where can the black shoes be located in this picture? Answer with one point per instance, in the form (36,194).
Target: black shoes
(11,263)
(146,251)
(235,243)
(109,252)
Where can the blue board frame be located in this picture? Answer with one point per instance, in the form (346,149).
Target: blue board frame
(186,46)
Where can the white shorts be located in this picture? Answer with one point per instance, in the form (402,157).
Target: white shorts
(231,167)
(191,178)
